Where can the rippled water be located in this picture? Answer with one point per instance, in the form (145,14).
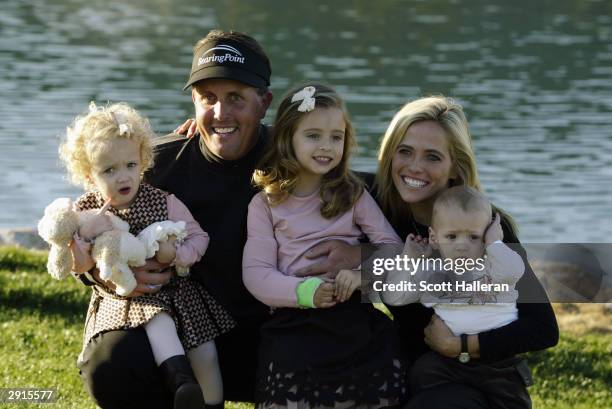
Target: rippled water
(534,78)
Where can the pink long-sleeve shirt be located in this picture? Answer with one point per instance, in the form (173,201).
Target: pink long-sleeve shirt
(279,236)
(195,244)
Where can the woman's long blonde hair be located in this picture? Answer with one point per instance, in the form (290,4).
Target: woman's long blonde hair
(277,173)
(450,116)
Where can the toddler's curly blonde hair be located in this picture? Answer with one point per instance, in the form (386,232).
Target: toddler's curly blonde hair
(88,134)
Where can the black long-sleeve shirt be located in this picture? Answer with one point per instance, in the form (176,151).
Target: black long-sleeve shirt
(218,194)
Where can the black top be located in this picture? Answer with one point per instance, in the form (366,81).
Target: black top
(218,194)
(536,327)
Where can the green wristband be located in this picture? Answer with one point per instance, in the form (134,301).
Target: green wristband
(306,290)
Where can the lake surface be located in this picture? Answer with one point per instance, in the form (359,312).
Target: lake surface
(535,79)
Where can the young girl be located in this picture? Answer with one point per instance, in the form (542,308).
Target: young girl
(322,347)
(107,151)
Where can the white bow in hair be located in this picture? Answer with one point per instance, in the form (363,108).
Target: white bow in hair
(306,96)
(125,129)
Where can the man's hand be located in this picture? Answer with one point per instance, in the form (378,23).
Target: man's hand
(150,278)
(417,246)
(96,224)
(324,296)
(188,127)
(347,281)
(494,232)
(340,255)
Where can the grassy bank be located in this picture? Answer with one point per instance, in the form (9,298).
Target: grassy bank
(41,323)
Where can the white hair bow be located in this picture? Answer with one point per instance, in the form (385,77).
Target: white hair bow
(125,129)
(306,96)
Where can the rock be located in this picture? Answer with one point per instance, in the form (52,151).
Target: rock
(22,237)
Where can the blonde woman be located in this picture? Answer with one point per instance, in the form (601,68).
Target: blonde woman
(426,149)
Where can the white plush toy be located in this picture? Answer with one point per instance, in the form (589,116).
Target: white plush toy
(159,232)
(113,251)
(57,228)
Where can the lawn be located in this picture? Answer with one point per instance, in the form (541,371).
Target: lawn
(41,323)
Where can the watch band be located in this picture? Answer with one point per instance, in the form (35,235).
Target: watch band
(464,356)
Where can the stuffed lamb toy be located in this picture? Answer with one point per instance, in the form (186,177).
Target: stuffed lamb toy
(113,251)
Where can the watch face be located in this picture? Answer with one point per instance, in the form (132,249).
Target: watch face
(464,357)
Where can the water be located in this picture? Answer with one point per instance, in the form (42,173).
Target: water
(533,76)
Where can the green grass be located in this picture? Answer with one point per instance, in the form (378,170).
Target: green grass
(40,331)
(577,373)
(41,323)
(15,258)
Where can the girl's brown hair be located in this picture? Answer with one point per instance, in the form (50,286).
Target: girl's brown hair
(277,173)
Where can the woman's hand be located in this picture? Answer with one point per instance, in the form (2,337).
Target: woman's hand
(324,296)
(340,255)
(440,338)
(150,278)
(188,127)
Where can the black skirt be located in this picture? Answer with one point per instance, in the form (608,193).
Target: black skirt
(347,353)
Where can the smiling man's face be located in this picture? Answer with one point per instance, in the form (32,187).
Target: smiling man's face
(228,115)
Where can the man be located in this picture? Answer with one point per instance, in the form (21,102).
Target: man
(211,173)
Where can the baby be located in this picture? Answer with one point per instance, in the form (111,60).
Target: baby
(471,287)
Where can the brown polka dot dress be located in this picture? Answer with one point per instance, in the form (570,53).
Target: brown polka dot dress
(198,316)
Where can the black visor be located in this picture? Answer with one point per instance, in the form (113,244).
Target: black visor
(229,60)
